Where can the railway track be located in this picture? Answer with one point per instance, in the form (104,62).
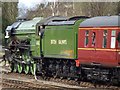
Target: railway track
(29,82)
(10,83)
(22,81)
(85,84)
(16,80)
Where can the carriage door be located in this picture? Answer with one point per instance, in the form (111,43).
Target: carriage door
(93,44)
(118,51)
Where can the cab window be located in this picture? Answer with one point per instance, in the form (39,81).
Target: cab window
(39,30)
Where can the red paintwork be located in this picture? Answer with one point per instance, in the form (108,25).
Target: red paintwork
(77,63)
(96,54)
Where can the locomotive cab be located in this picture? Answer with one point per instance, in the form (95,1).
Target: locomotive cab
(39,33)
(41,26)
(40,30)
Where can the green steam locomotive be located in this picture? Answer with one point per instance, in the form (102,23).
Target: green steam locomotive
(43,45)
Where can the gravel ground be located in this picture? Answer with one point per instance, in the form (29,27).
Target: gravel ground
(41,83)
(38,84)
(48,85)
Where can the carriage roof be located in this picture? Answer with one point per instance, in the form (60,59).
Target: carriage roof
(101,21)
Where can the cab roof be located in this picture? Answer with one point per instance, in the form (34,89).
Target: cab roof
(69,21)
(49,19)
(101,21)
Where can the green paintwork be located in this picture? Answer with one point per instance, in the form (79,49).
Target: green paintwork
(20,68)
(35,45)
(26,57)
(33,68)
(15,67)
(61,41)
(27,30)
(26,69)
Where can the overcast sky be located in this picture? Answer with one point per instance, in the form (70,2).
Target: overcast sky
(31,3)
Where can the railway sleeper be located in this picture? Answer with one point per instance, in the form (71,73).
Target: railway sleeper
(96,74)
(115,76)
(61,68)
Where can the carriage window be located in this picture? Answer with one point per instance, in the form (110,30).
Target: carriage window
(113,34)
(113,38)
(118,38)
(104,39)
(93,38)
(86,38)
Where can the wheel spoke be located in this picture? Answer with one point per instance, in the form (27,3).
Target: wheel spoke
(12,67)
(33,68)
(20,68)
(15,67)
(26,69)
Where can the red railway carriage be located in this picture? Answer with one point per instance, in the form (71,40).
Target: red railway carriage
(99,43)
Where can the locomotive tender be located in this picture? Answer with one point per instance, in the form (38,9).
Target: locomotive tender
(78,47)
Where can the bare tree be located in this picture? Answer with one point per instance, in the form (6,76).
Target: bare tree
(9,14)
(99,8)
(74,9)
